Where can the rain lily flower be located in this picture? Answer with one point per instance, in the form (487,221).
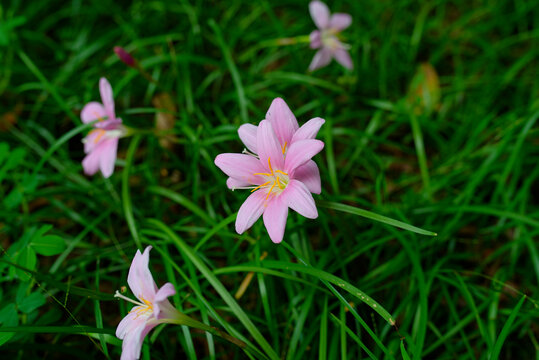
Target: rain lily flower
(277,168)
(101,144)
(152,307)
(326,37)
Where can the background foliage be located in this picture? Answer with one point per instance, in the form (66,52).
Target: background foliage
(450,147)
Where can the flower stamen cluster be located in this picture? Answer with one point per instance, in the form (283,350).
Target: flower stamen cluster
(281,181)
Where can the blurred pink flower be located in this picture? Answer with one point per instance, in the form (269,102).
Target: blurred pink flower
(152,308)
(277,168)
(101,144)
(325,38)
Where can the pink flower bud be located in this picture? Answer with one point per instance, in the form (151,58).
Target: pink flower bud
(125,56)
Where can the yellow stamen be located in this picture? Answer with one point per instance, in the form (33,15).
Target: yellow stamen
(259,186)
(284,147)
(99,136)
(139,310)
(279,183)
(271,188)
(263,174)
(281,172)
(269,164)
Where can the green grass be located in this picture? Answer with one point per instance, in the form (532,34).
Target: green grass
(365,279)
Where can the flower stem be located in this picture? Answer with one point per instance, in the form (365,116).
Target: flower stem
(182,319)
(286,41)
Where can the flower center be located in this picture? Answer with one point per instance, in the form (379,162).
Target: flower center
(108,134)
(277,180)
(330,40)
(144,307)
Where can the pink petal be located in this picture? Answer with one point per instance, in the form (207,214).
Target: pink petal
(166,291)
(340,21)
(241,167)
(92,111)
(268,147)
(90,142)
(298,198)
(309,174)
(235,183)
(343,57)
(321,59)
(250,211)
(315,41)
(247,133)
(127,324)
(90,163)
(140,279)
(161,296)
(282,120)
(109,148)
(320,14)
(106,96)
(300,152)
(275,219)
(309,130)
(133,340)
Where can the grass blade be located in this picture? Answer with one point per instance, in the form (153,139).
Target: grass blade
(126,198)
(506,330)
(373,216)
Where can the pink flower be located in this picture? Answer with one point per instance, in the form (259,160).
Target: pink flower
(325,38)
(277,168)
(101,144)
(152,308)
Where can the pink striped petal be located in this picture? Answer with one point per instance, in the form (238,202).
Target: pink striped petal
(275,217)
(282,120)
(309,130)
(241,167)
(315,41)
(235,183)
(106,96)
(92,111)
(309,174)
(140,278)
(343,57)
(268,147)
(250,211)
(109,148)
(320,14)
(298,198)
(340,21)
(321,59)
(300,152)
(247,133)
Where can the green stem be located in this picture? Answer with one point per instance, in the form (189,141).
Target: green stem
(286,41)
(182,319)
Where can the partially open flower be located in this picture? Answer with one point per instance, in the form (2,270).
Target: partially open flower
(152,307)
(326,37)
(101,144)
(277,168)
